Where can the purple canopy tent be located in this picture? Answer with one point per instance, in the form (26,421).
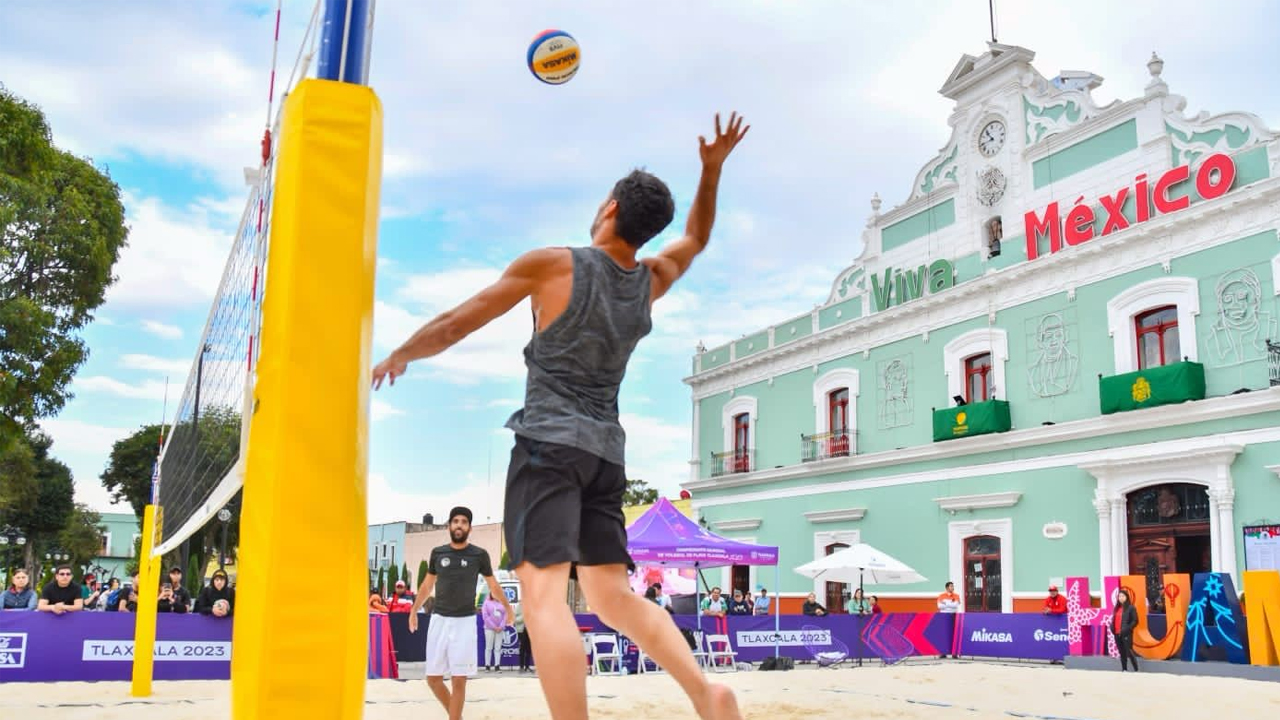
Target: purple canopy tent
(665,536)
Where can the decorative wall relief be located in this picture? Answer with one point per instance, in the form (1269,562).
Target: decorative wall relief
(1241,326)
(939,172)
(1203,135)
(1052,343)
(893,392)
(1049,119)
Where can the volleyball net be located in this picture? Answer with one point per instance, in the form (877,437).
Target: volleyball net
(201,465)
(276,404)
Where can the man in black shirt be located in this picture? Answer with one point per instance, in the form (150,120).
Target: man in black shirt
(61,595)
(452,647)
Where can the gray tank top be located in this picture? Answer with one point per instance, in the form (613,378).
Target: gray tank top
(577,363)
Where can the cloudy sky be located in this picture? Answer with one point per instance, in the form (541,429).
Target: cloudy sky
(483,162)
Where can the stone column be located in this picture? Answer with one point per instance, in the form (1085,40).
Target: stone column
(1119,537)
(1222,504)
(1103,508)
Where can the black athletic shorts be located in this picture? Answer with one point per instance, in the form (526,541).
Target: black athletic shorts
(563,505)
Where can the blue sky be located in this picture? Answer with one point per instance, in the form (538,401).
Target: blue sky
(483,162)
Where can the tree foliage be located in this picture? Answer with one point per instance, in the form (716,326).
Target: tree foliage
(61,232)
(128,473)
(638,492)
(37,492)
(82,536)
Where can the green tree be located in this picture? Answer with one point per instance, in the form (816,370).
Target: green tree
(129,467)
(131,568)
(61,232)
(404,575)
(82,536)
(393,576)
(18,490)
(49,515)
(422,571)
(638,492)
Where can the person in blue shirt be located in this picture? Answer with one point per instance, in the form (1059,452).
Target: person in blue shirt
(762,603)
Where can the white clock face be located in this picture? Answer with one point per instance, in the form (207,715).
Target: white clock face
(991,139)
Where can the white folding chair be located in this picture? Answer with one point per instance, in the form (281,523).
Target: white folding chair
(700,648)
(605,649)
(719,650)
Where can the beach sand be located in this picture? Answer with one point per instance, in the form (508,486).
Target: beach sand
(934,690)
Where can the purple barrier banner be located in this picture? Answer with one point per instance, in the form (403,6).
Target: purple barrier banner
(1027,636)
(93,646)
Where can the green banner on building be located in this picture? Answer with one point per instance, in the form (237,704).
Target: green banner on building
(1164,385)
(976,419)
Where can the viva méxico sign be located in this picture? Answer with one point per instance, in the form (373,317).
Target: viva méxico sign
(1212,180)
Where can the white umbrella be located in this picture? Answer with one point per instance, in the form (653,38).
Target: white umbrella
(859,563)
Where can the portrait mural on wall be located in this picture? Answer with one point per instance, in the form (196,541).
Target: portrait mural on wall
(1052,351)
(1242,324)
(893,390)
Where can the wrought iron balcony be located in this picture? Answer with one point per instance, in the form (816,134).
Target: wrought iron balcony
(821,446)
(1273,362)
(733,461)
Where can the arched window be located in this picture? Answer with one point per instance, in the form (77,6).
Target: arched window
(977,378)
(1156,331)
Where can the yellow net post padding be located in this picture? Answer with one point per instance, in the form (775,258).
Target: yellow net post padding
(305,477)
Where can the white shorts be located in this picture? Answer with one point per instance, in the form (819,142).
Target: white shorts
(452,647)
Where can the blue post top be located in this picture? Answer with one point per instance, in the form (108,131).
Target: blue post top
(350,19)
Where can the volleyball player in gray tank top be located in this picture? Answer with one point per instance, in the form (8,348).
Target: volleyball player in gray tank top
(563,510)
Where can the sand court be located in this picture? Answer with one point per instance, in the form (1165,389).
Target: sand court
(934,690)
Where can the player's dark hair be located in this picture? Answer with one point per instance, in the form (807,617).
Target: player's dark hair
(645,207)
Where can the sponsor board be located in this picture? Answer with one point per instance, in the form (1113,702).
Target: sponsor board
(165,650)
(785,638)
(13,650)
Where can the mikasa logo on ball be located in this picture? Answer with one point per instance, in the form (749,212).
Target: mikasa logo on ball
(553,57)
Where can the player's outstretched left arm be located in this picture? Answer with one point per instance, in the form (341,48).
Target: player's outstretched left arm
(450,327)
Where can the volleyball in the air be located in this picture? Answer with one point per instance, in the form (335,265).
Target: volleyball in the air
(554,57)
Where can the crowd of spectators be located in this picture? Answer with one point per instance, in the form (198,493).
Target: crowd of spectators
(63,594)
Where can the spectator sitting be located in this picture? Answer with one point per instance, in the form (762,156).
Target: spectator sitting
(168,601)
(88,584)
(663,599)
(812,607)
(400,601)
(116,601)
(875,605)
(858,604)
(761,604)
(62,595)
(217,590)
(180,594)
(1055,604)
(19,596)
(739,606)
(109,590)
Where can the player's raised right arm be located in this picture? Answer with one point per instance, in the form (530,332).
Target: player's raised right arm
(675,259)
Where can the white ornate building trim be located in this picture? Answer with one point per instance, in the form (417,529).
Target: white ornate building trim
(1001,528)
(982,340)
(1123,470)
(830,381)
(733,408)
(1184,292)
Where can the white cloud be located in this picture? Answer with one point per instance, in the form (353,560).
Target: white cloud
(85,448)
(392,504)
(162,330)
(657,451)
(381,409)
(174,257)
(177,368)
(145,390)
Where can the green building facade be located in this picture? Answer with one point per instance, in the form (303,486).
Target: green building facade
(1004,414)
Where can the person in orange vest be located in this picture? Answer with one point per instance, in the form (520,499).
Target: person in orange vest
(949,602)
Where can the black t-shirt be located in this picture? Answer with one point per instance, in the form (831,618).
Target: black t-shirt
(739,607)
(66,595)
(456,572)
